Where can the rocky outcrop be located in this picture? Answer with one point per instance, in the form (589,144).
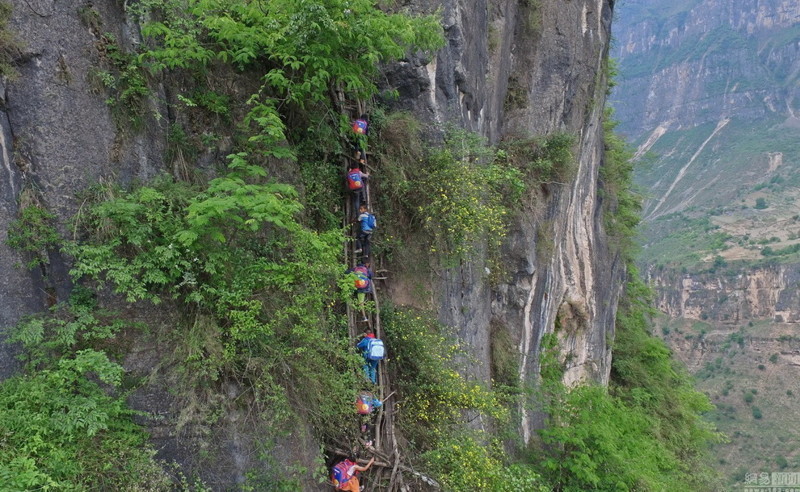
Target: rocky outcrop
(762,293)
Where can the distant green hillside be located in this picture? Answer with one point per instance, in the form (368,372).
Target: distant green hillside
(709,93)
(733,197)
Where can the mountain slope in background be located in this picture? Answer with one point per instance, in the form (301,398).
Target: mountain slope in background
(712,89)
(709,94)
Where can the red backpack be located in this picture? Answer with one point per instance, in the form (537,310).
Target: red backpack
(364,403)
(354,179)
(362,277)
(360,126)
(339,475)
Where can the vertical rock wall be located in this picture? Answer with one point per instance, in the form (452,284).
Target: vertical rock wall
(516,69)
(58,137)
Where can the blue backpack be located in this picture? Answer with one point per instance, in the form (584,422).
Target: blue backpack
(369,223)
(375,349)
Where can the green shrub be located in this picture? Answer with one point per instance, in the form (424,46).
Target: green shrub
(424,369)
(310,48)
(468,192)
(61,429)
(34,233)
(258,283)
(463,463)
(468,199)
(542,160)
(622,202)
(434,398)
(756,412)
(646,379)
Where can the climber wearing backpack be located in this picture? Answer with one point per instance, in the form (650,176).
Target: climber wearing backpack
(366,226)
(366,404)
(357,184)
(361,130)
(373,351)
(363,286)
(344,475)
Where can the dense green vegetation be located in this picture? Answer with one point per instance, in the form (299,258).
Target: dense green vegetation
(64,422)
(469,190)
(645,431)
(257,288)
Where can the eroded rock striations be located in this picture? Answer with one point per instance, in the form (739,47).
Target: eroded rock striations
(537,69)
(760,293)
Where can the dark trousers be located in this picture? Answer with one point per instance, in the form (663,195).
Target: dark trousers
(362,242)
(359,197)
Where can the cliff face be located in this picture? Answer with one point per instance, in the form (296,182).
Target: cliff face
(762,293)
(686,65)
(532,68)
(58,137)
(510,68)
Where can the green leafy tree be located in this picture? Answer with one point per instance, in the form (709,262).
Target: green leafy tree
(256,283)
(64,421)
(307,50)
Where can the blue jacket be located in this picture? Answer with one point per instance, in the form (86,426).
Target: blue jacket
(364,343)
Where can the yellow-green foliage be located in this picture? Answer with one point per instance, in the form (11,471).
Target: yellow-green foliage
(425,359)
(466,199)
(434,399)
(460,194)
(456,194)
(464,463)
